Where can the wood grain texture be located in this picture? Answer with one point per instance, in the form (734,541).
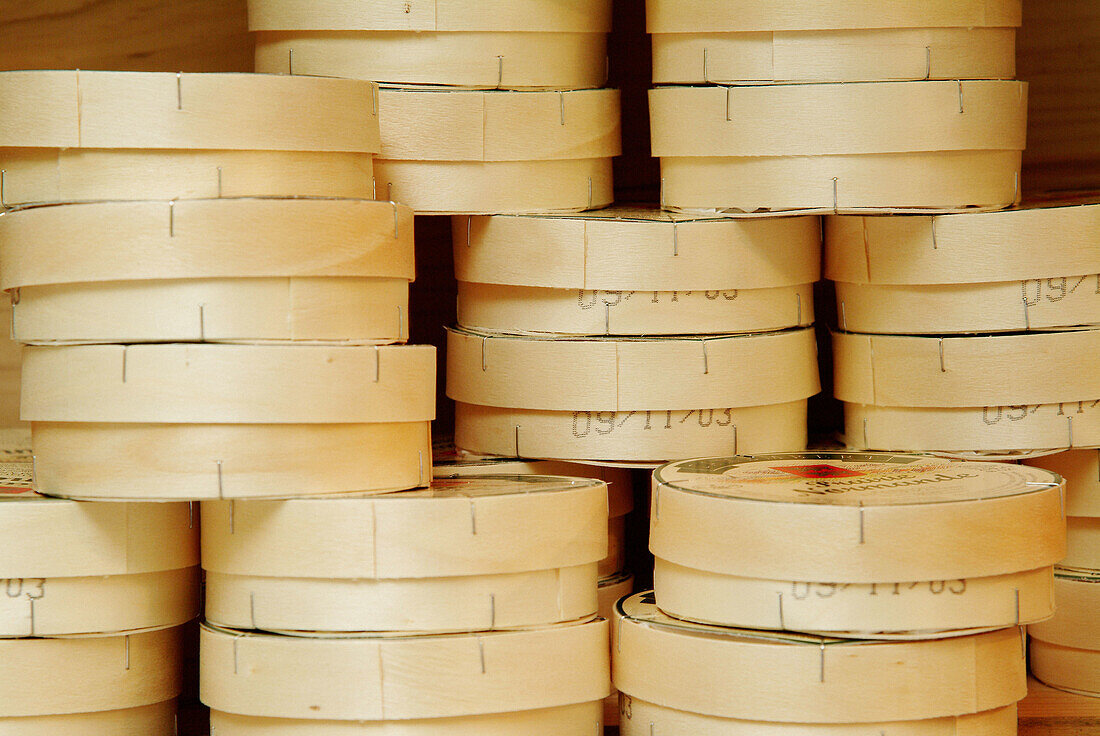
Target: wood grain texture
(693,669)
(1049,712)
(126,35)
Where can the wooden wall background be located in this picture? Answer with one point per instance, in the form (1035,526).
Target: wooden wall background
(1059,54)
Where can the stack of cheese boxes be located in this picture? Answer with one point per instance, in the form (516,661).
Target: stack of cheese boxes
(216,309)
(614,579)
(974,335)
(962,333)
(1065,651)
(94,603)
(633,335)
(470,607)
(844,108)
(486,107)
(838,592)
(571,341)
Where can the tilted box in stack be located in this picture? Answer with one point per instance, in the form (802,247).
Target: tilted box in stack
(878,609)
(485,106)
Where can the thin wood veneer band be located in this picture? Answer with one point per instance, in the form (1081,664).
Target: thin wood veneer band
(231,384)
(52,176)
(639,716)
(1081,469)
(903,610)
(626,248)
(211,238)
(642,436)
(1082,543)
(1045,705)
(775,120)
(375,678)
(82,109)
(458,187)
(1066,668)
(98,604)
(577,718)
(880,541)
(842,55)
(1033,368)
(100,541)
(89,674)
(146,462)
(482,525)
(795,678)
(610,374)
(883,183)
(1075,623)
(478,59)
(470,125)
(583,16)
(522,309)
(1035,304)
(158,719)
(969,429)
(690,16)
(620,484)
(1030,242)
(307,309)
(456,604)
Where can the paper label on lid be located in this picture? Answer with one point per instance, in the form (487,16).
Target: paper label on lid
(16,482)
(852,479)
